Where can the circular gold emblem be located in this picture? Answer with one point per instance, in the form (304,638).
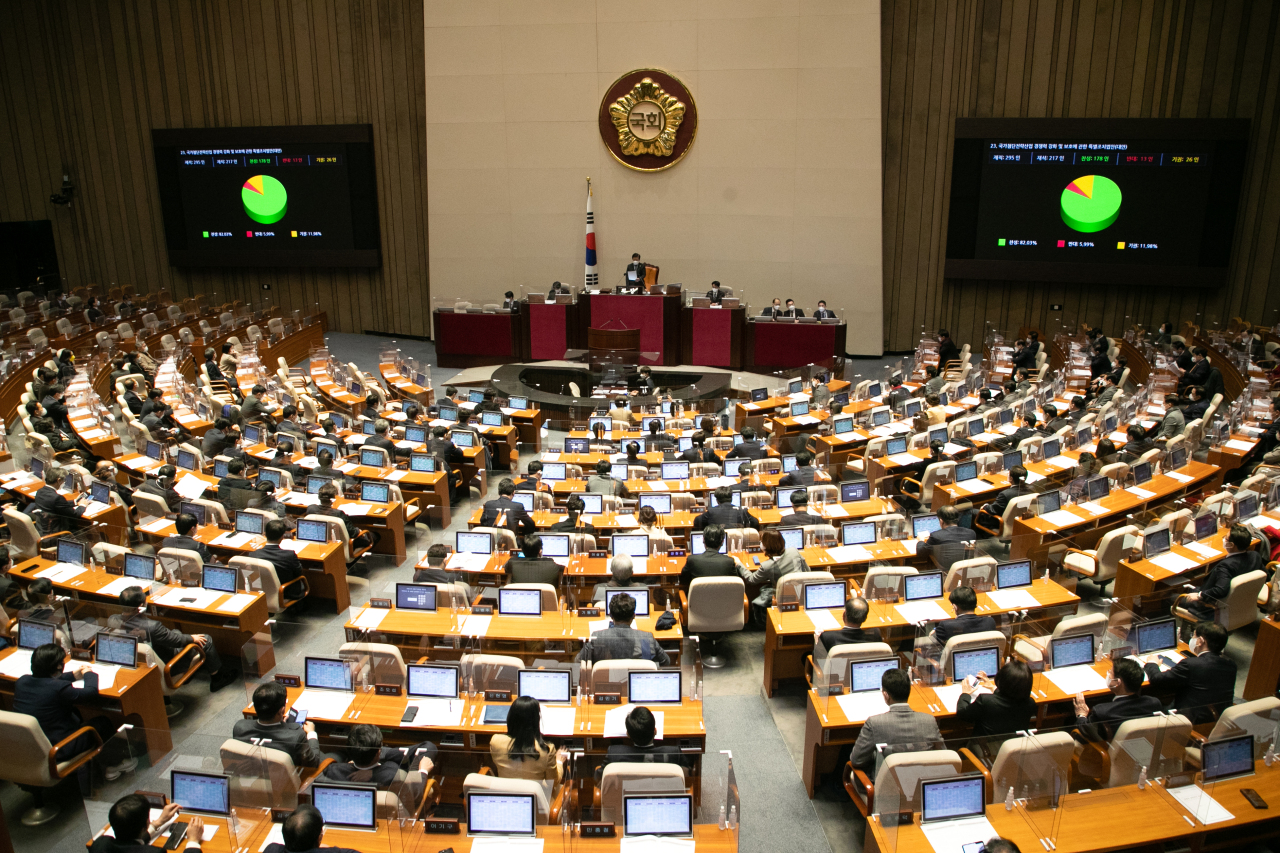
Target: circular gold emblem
(648,120)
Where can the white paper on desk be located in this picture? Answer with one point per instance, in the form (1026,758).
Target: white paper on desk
(717,482)
(640,565)
(807,420)
(16,664)
(269,453)
(275,836)
(371,617)
(346,467)
(858,706)
(232,539)
(1181,478)
(1203,807)
(157,526)
(294,545)
(909,545)
(835,511)
(326,704)
(615,721)
(1012,599)
(822,620)
(1061,517)
(356,509)
(396,476)
(475,626)
(949,694)
(92,508)
(558,720)
(750,407)
(1138,492)
(903,459)
(1237,444)
(106,675)
(950,836)
(655,844)
(626,520)
(1092,508)
(119,585)
(987,437)
(188,419)
(921,611)
(1061,462)
(91,434)
(310,461)
(598,625)
(849,553)
(1076,679)
(139,462)
(203,597)
(506,845)
(61,572)
(236,603)
(190,487)
(467,562)
(210,831)
(971,486)
(882,431)
(1033,477)
(506,410)
(796,397)
(1204,550)
(436,712)
(405,445)
(1176,563)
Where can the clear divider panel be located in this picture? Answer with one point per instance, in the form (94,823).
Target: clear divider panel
(1037,767)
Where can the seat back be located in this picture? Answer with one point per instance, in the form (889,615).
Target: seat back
(791,587)
(899,775)
(715,604)
(610,676)
(933,474)
(181,564)
(1112,548)
(261,777)
(885,580)
(24,539)
(148,504)
(1258,718)
(213,510)
(621,773)
(26,750)
(976,640)
(500,785)
(487,672)
(260,575)
(1031,762)
(503,539)
(835,665)
(1157,743)
(1241,605)
(375,663)
(976,573)
(550,601)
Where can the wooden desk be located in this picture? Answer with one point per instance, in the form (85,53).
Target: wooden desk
(529,423)
(1137,577)
(1264,667)
(252,826)
(405,386)
(1229,458)
(136,697)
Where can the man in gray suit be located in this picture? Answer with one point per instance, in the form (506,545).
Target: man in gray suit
(902,729)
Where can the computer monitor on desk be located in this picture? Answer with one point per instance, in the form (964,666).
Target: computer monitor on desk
(346,806)
(661,815)
(502,815)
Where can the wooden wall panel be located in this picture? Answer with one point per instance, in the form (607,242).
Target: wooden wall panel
(83,84)
(948,59)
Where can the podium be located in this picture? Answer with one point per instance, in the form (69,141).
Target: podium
(613,340)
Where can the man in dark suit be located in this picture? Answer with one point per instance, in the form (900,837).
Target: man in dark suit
(289,423)
(451,458)
(710,563)
(59,514)
(1100,364)
(1239,561)
(750,448)
(791,311)
(254,410)
(724,513)
(947,349)
(744,483)
(532,481)
(1203,683)
(965,602)
(644,384)
(773,310)
(823,312)
(286,562)
(166,642)
(133,830)
(374,764)
(435,572)
(131,397)
(283,461)
(1182,356)
(155,399)
(946,544)
(801,515)
(642,728)
(699,452)
(856,611)
(55,408)
(1053,420)
(234,481)
(804,474)
(59,439)
(379,439)
(300,741)
(1101,722)
(1198,374)
(162,487)
(219,439)
(1017,488)
(359,538)
(331,433)
(620,641)
(1023,356)
(49,695)
(716,294)
(570,523)
(1009,709)
(900,728)
(516,519)
(532,567)
(633,276)
(1010,442)
(302,832)
(370,411)
(899,395)
(184,525)
(509,302)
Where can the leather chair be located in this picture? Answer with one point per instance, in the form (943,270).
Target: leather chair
(714,606)
(31,763)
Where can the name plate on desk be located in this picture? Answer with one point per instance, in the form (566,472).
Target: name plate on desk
(598,555)
(589,611)
(380,603)
(497,696)
(597,830)
(676,552)
(482,610)
(898,819)
(756,549)
(387,689)
(789,608)
(81,654)
(289,680)
(441,826)
(280,815)
(608,698)
(113,570)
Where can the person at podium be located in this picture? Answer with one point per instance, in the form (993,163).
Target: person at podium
(633,281)
(557,289)
(509,301)
(716,294)
(644,384)
(791,311)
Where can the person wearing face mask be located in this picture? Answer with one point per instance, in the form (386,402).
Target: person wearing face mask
(1203,683)
(1198,374)
(1125,683)
(773,310)
(791,311)
(1239,561)
(105,473)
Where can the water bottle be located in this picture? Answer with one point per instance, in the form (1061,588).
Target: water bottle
(733,817)
(724,823)
(1142,779)
(1008,799)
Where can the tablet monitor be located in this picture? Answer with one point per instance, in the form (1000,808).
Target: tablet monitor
(1099,487)
(661,503)
(1155,541)
(186,459)
(118,649)
(373,492)
(470,542)
(842,426)
(435,680)
(553,686)
(100,492)
(252,434)
(328,674)
(912,408)
(858,533)
(974,427)
(555,545)
(759,395)
(973,661)
(1227,758)
(577,445)
(1013,574)
(207,793)
(220,469)
(1084,435)
(1052,447)
(415,434)
(345,806)
(1110,424)
(553,471)
(880,417)
(631,544)
(140,566)
(799,408)
(865,675)
(685,442)
(1206,525)
(735,499)
(793,537)
(1006,417)
(647,687)
(874,390)
(895,445)
(1176,459)
(952,798)
(416,596)
(783,494)
(463,438)
(966,471)
(496,715)
(448,413)
(605,422)
(1141,473)
(518,403)
(731,466)
(310,530)
(593,504)
(698,546)
(1050,501)
(922,586)
(33,634)
(925,524)
(525,499)
(1011,459)
(422,463)
(795,386)
(856,491)
(639,593)
(220,578)
(502,814)
(788,463)
(200,511)
(1070,651)
(618,471)
(648,423)
(367,428)
(70,551)
(1246,505)
(339,421)
(519,602)
(675,470)
(825,595)
(1158,635)
(475,396)
(269,475)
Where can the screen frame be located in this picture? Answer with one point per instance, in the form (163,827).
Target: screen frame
(370,790)
(226,786)
(629,798)
(533,816)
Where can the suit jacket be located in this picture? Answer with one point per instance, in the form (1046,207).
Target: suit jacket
(107,844)
(965,623)
(133,401)
(804,475)
(190,544)
(387,445)
(997,506)
(638,269)
(1099,365)
(384,773)
(291,428)
(706,455)
(1024,357)
(214,442)
(846,636)
(286,737)
(716,295)
(446,450)
(171,498)
(1216,586)
(518,520)
(944,546)
(334,512)
(542,570)
(1197,684)
(901,727)
(748,450)
(164,641)
(59,510)
(948,352)
(709,564)
(1105,717)
(254,410)
(799,519)
(1196,374)
(824,314)
(771,571)
(52,701)
(793,312)
(993,714)
(287,565)
(727,516)
(651,754)
(622,642)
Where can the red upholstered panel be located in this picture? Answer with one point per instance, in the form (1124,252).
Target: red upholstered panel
(636,312)
(712,337)
(548,331)
(474,334)
(793,345)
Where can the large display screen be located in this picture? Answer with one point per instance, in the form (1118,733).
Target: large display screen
(1095,201)
(269,196)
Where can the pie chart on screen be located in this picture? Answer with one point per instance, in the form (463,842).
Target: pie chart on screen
(265,200)
(1090,203)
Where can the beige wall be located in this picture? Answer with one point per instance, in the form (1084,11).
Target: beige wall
(780,193)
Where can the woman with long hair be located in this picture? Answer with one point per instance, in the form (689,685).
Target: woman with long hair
(522,753)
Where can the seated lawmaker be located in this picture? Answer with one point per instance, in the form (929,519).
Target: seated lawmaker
(270,700)
(724,513)
(372,763)
(532,567)
(900,729)
(773,310)
(1239,561)
(167,642)
(302,832)
(823,312)
(1204,682)
(435,572)
(946,545)
(522,753)
(716,294)
(359,538)
(856,611)
(710,563)
(133,830)
(620,641)
(750,448)
(800,511)
(791,311)
(1100,723)
(779,562)
(287,565)
(642,729)
(804,474)
(621,576)
(184,525)
(699,452)
(965,601)
(1007,710)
